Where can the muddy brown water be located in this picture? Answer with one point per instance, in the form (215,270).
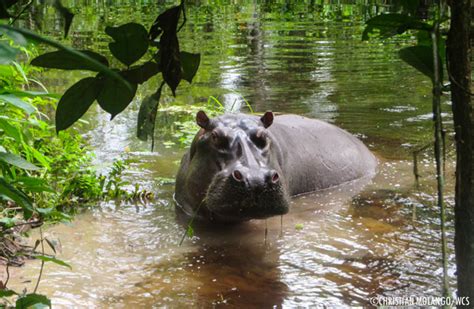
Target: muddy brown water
(338,247)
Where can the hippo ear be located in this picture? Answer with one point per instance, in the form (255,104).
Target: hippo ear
(202,120)
(267,119)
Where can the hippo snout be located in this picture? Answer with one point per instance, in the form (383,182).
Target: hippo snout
(243,193)
(254,178)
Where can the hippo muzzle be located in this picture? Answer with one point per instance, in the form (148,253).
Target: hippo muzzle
(241,193)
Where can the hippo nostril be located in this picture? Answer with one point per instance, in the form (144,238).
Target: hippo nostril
(237,176)
(275,177)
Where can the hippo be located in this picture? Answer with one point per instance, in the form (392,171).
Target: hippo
(241,167)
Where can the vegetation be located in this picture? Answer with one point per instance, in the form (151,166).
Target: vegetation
(42,173)
(429,58)
(44,176)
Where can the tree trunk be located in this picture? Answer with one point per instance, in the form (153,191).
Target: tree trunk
(459,51)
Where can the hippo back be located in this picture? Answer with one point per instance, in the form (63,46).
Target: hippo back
(319,155)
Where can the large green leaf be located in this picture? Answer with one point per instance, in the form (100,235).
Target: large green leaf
(7,293)
(17,102)
(17,196)
(130,42)
(66,61)
(76,101)
(142,73)
(169,47)
(421,58)
(147,116)
(46,258)
(33,184)
(30,300)
(38,38)
(392,24)
(114,97)
(10,130)
(7,53)
(17,161)
(190,64)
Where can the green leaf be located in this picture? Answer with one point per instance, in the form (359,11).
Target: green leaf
(30,94)
(17,196)
(17,102)
(7,293)
(76,101)
(421,58)
(66,61)
(10,130)
(169,47)
(147,116)
(7,53)
(190,231)
(393,24)
(115,97)
(8,223)
(33,184)
(190,64)
(52,259)
(50,244)
(17,161)
(38,38)
(142,73)
(130,42)
(30,300)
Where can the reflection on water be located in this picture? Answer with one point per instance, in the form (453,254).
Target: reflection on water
(337,247)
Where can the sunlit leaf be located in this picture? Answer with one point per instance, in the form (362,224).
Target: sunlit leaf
(52,259)
(7,53)
(17,102)
(130,42)
(8,223)
(10,130)
(76,101)
(114,97)
(190,231)
(33,184)
(66,61)
(392,24)
(30,300)
(17,161)
(190,64)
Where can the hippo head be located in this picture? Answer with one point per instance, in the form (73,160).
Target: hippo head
(234,169)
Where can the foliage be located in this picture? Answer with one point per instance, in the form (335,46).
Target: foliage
(43,175)
(115,88)
(427,58)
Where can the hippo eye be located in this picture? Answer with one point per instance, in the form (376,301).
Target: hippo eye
(219,140)
(259,139)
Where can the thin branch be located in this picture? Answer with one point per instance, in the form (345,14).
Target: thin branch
(42,262)
(21,12)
